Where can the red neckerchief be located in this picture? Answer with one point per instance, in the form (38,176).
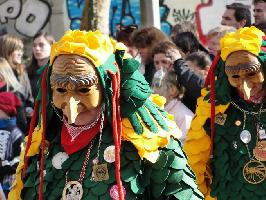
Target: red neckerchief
(80,141)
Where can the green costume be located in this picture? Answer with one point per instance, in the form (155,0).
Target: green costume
(152,163)
(226,129)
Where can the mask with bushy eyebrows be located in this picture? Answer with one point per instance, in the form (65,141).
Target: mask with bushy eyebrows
(245,73)
(75,86)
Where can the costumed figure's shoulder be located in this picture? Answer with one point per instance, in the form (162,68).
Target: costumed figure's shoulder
(154,134)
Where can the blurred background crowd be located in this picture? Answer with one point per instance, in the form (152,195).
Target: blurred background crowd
(174,65)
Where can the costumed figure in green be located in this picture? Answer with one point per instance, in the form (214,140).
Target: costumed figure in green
(226,144)
(98,133)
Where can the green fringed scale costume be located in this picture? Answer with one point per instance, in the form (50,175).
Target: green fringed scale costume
(230,155)
(169,177)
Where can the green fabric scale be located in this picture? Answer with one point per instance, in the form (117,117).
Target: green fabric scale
(230,156)
(169,178)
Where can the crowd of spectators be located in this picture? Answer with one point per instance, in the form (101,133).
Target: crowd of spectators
(175,66)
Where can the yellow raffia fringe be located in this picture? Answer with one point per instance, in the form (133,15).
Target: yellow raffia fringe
(148,143)
(92,45)
(34,149)
(198,143)
(247,39)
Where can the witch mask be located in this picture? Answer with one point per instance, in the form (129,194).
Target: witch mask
(245,73)
(76,89)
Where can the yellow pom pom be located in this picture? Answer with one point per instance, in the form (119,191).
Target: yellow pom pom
(158,100)
(92,45)
(247,39)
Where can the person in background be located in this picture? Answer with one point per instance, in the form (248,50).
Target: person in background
(41,49)
(166,57)
(11,139)
(213,38)
(187,26)
(162,61)
(11,48)
(173,92)
(259,12)
(200,62)
(183,26)
(187,78)
(124,35)
(237,15)
(9,83)
(144,40)
(186,43)
(161,56)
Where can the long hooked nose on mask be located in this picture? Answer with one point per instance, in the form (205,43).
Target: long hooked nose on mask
(246,90)
(72,110)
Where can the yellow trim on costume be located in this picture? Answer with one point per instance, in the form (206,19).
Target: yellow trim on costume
(148,143)
(15,192)
(34,149)
(92,45)
(198,143)
(246,39)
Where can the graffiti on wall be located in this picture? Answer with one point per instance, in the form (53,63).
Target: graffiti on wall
(30,17)
(183,15)
(122,12)
(74,11)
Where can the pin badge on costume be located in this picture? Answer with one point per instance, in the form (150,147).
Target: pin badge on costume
(237,122)
(59,159)
(72,191)
(254,172)
(114,192)
(262,134)
(220,118)
(245,136)
(260,151)
(100,172)
(109,154)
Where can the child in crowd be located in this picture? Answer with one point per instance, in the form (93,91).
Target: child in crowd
(165,83)
(213,38)
(200,62)
(10,139)
(173,92)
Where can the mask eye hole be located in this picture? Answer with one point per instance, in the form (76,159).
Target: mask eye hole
(84,90)
(235,76)
(251,74)
(61,90)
